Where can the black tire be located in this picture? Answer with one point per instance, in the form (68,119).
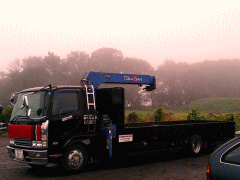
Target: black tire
(195,145)
(75,158)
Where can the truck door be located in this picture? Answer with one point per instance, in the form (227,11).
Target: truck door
(66,117)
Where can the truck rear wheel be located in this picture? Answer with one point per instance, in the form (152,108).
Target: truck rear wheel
(195,145)
(75,158)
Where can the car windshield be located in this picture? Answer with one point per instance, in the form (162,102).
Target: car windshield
(38,103)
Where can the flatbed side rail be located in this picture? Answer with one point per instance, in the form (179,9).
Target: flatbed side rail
(174,123)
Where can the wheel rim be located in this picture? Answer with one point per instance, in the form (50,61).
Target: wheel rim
(75,159)
(196,146)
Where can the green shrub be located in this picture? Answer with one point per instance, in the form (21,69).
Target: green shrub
(229,117)
(193,115)
(3,134)
(201,117)
(6,114)
(158,115)
(132,117)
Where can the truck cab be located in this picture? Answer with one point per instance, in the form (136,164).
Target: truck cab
(46,120)
(38,110)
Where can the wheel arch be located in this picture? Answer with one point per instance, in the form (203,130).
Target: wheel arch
(75,156)
(83,142)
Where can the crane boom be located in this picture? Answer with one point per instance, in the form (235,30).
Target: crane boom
(97,78)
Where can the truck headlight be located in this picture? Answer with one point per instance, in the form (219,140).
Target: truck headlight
(34,143)
(12,142)
(37,143)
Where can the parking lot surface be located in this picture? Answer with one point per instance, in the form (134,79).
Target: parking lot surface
(157,166)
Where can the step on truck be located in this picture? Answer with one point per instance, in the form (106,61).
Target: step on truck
(71,125)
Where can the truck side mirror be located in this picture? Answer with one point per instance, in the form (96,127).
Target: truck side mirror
(25,102)
(25,105)
(12,99)
(28,112)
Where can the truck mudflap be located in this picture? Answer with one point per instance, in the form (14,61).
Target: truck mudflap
(35,157)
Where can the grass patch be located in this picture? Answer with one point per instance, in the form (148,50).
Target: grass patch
(178,115)
(3,134)
(214,105)
(150,116)
(214,109)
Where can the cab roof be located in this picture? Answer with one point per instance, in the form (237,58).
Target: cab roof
(51,87)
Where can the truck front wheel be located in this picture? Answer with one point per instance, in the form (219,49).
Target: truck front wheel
(75,158)
(195,145)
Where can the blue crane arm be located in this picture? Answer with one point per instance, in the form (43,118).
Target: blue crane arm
(97,78)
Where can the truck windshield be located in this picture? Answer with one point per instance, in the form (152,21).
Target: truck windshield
(38,103)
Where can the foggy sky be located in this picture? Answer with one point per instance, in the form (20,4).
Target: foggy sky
(185,31)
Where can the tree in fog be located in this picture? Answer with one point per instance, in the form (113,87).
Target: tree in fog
(177,83)
(76,65)
(169,83)
(181,83)
(219,78)
(136,66)
(55,67)
(106,60)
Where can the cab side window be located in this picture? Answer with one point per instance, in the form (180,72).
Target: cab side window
(232,156)
(64,102)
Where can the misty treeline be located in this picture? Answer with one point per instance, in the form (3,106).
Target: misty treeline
(177,83)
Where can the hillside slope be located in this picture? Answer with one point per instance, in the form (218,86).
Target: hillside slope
(215,105)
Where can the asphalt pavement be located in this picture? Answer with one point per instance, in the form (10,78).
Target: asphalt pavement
(157,166)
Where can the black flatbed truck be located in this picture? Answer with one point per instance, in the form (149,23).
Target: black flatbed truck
(69,125)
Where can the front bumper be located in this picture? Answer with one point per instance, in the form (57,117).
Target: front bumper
(35,157)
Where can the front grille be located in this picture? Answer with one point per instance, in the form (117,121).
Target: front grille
(22,142)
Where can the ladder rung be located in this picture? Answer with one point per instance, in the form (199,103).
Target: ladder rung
(89,92)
